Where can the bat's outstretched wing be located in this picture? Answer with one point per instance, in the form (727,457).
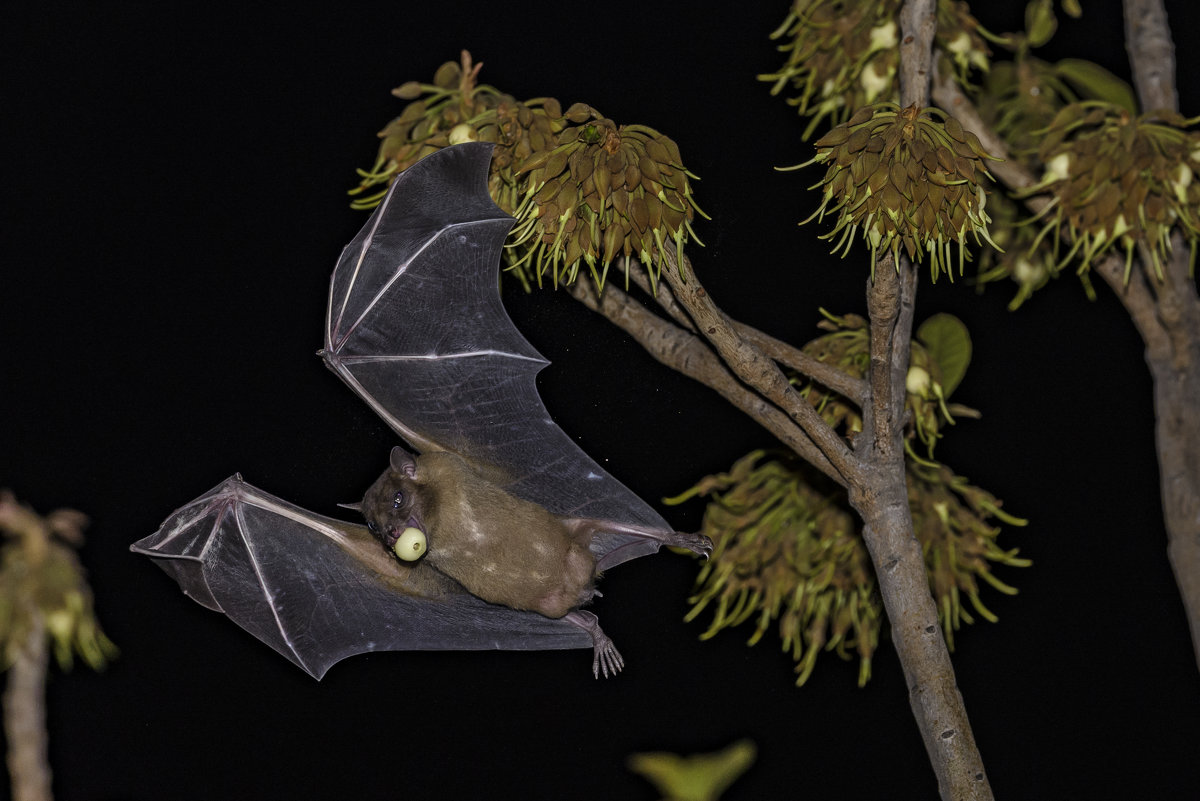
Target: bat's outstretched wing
(416,328)
(318,590)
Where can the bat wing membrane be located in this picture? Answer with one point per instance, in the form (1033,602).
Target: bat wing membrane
(416,327)
(318,590)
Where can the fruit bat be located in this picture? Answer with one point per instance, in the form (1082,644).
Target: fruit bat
(492,537)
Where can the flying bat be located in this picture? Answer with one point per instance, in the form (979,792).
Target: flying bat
(493,534)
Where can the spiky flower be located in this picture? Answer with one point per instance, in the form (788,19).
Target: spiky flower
(784,552)
(1029,267)
(42,584)
(904,177)
(601,192)
(1118,180)
(584,190)
(453,109)
(940,353)
(789,554)
(1019,99)
(843,54)
(1019,102)
(951,521)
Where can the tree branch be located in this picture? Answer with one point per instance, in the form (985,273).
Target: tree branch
(918,24)
(848,386)
(1151,54)
(1010,172)
(881,494)
(1170,325)
(688,354)
(25,718)
(752,366)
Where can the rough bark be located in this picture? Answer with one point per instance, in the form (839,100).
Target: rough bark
(880,496)
(1148,40)
(1168,318)
(1177,436)
(25,720)
(1167,315)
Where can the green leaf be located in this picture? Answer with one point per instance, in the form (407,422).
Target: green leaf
(950,346)
(1040,22)
(700,777)
(1096,82)
(1072,8)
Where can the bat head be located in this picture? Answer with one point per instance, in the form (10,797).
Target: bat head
(393,508)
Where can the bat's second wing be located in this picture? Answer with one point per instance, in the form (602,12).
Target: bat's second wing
(318,590)
(416,327)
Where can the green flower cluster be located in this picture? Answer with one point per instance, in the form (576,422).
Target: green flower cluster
(585,191)
(789,554)
(951,521)
(940,353)
(1117,180)
(42,585)
(784,552)
(904,177)
(843,54)
(1019,100)
(787,550)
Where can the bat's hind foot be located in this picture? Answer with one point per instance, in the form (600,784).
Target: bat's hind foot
(605,656)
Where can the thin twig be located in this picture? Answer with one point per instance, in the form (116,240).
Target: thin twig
(688,354)
(752,366)
(848,386)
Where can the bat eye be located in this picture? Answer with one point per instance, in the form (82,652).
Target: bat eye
(372,527)
(397,500)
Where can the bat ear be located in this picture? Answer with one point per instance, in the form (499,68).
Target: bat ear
(357,507)
(403,462)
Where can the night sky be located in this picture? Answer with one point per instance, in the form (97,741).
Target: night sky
(174,201)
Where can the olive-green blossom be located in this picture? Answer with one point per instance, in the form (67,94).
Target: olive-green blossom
(843,54)
(42,586)
(911,178)
(585,190)
(1117,180)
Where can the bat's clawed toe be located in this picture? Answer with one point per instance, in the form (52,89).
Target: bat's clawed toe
(606,658)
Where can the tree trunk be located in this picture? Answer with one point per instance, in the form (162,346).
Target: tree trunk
(933,691)
(1177,434)
(1167,315)
(25,720)
(1166,311)
(880,496)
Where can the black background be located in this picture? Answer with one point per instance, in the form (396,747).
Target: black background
(173,205)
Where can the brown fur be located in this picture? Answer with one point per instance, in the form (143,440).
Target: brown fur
(500,548)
